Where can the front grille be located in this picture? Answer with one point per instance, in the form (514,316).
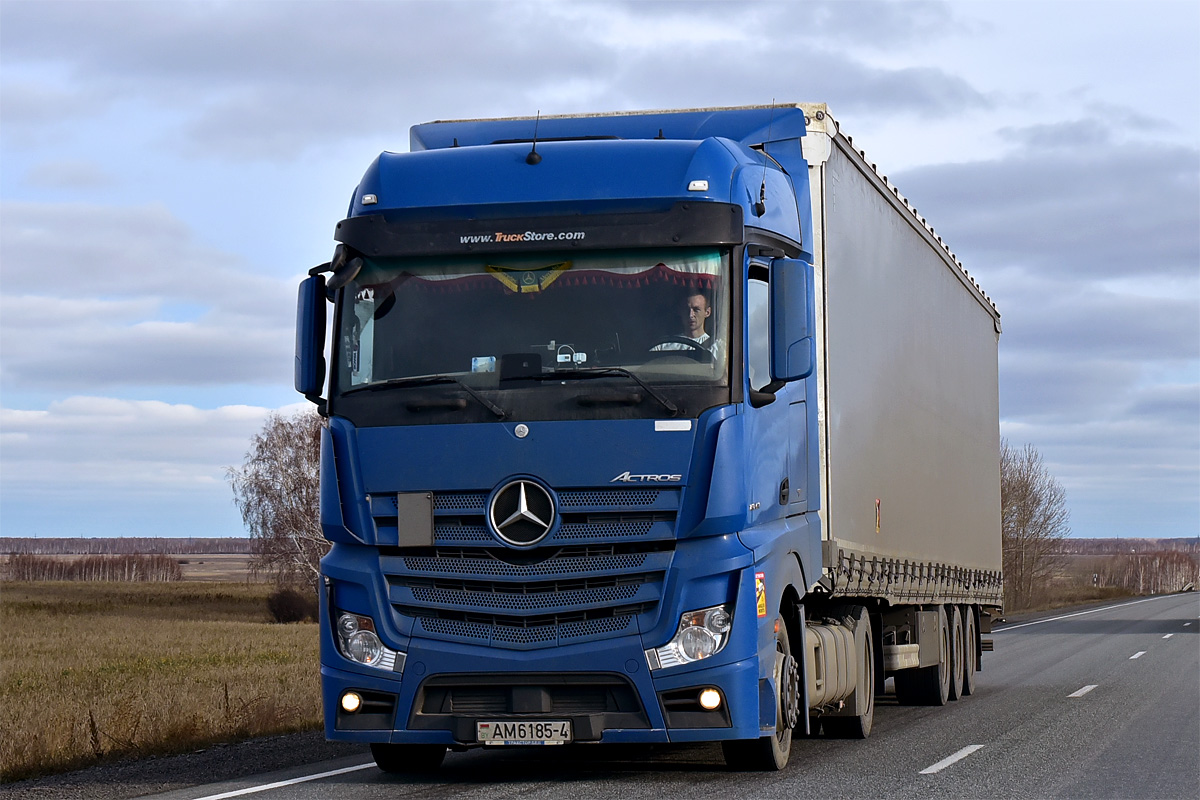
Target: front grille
(488,562)
(601,569)
(635,498)
(502,598)
(572,594)
(533,694)
(460,501)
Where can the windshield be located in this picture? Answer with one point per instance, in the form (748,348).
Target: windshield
(498,321)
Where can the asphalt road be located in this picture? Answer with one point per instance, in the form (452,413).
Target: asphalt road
(1034,729)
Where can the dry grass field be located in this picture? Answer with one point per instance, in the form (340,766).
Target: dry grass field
(93,670)
(219,567)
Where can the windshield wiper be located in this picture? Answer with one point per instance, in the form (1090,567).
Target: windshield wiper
(604,372)
(431,380)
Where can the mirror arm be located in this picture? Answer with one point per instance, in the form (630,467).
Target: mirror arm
(321,403)
(766,395)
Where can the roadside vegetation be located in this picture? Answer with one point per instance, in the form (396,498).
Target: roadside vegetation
(1044,569)
(96,670)
(152,568)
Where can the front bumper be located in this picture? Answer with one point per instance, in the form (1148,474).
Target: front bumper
(604,688)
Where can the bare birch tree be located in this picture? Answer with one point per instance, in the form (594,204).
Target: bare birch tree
(277,492)
(1034,522)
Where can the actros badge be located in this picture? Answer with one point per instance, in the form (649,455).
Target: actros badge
(625,477)
(522,512)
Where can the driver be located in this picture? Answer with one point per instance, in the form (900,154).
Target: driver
(693,315)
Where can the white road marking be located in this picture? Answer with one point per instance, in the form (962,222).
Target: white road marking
(1081,613)
(1168,636)
(1138,654)
(948,760)
(1186,624)
(1084,690)
(268,786)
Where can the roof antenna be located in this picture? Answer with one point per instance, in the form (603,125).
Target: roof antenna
(760,207)
(534,157)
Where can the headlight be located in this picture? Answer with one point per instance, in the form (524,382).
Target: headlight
(701,634)
(358,642)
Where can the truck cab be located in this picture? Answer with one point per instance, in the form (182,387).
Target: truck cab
(571,471)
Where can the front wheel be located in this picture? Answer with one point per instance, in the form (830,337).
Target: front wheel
(770,753)
(408,759)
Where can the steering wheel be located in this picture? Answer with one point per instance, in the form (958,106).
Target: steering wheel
(692,349)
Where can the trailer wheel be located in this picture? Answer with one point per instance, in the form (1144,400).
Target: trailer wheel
(958,650)
(408,759)
(859,726)
(770,753)
(971,651)
(928,686)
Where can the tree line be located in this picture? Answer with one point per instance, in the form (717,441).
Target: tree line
(1145,573)
(1083,547)
(122,545)
(152,568)
(1042,564)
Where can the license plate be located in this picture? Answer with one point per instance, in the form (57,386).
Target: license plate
(524,731)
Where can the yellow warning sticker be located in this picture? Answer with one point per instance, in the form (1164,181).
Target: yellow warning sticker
(760,592)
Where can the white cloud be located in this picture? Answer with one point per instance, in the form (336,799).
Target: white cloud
(84,444)
(58,175)
(101,466)
(89,250)
(91,296)
(279,96)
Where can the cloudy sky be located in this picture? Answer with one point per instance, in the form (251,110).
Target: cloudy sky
(168,170)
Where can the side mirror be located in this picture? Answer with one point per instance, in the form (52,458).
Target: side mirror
(793,348)
(310,338)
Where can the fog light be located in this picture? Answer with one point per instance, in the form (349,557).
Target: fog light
(352,701)
(710,699)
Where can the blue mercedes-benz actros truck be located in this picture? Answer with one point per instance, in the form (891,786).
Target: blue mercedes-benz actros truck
(646,427)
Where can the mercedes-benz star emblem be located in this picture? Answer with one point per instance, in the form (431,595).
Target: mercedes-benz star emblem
(522,512)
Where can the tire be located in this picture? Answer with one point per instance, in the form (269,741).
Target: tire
(958,651)
(770,753)
(928,686)
(859,726)
(971,662)
(408,759)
